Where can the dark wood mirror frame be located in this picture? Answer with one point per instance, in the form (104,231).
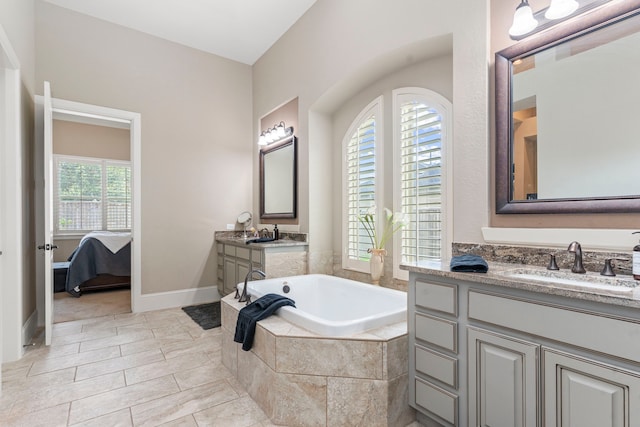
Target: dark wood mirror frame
(591,21)
(290,141)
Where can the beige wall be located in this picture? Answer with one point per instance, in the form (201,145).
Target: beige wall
(501,18)
(197,141)
(325,68)
(79,139)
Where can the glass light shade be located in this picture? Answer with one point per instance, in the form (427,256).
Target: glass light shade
(561,8)
(523,20)
(281,131)
(262,140)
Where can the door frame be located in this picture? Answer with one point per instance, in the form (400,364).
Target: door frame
(102,116)
(11,204)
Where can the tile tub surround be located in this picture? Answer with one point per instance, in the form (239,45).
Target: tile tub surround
(302,379)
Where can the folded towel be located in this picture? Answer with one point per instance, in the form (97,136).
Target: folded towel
(469,263)
(261,308)
(260,240)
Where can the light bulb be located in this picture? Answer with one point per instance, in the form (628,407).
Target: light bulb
(561,8)
(523,20)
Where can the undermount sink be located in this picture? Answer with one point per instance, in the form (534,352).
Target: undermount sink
(616,285)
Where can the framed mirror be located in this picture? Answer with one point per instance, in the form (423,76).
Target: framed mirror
(567,114)
(279,180)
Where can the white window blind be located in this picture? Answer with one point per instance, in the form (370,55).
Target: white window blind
(361,186)
(421,181)
(91,194)
(361,177)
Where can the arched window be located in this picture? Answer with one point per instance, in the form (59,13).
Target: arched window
(421,138)
(362,180)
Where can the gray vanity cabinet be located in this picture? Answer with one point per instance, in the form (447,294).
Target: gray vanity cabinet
(236,259)
(503,380)
(524,359)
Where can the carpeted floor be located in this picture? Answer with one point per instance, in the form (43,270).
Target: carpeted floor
(205,315)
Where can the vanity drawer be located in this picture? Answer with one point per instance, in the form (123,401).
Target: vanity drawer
(436,365)
(229,250)
(437,296)
(440,332)
(437,401)
(243,253)
(559,324)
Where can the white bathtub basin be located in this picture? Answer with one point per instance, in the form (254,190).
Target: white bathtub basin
(333,306)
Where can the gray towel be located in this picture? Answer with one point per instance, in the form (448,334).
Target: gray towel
(469,263)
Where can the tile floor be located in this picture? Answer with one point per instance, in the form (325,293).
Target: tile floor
(147,369)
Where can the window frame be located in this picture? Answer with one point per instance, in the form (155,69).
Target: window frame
(104,163)
(374,108)
(444,107)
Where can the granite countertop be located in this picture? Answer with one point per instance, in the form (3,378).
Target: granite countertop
(622,290)
(234,240)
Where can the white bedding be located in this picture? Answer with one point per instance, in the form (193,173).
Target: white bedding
(114,241)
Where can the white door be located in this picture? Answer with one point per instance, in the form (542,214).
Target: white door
(48,245)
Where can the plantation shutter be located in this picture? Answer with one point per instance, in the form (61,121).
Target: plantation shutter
(361,190)
(91,194)
(421,181)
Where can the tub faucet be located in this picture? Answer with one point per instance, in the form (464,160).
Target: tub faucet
(576,249)
(246,297)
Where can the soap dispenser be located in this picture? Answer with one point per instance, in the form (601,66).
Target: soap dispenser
(276,236)
(636,260)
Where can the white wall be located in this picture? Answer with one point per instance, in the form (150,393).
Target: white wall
(339,48)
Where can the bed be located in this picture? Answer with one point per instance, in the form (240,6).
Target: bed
(102,260)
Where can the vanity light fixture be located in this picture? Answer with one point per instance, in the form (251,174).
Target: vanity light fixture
(274,134)
(527,22)
(523,20)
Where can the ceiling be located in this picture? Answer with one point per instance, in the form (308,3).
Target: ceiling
(241,30)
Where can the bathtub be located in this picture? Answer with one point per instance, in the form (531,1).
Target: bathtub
(332,306)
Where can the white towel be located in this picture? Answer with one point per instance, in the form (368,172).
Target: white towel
(112,240)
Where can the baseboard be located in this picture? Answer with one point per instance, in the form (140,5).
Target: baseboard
(29,328)
(171,299)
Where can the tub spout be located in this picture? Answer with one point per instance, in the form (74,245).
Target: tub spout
(246,297)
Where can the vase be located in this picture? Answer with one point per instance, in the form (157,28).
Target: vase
(376,264)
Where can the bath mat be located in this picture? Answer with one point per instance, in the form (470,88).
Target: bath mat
(205,315)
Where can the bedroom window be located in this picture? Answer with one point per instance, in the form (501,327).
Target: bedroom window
(362,180)
(421,123)
(91,194)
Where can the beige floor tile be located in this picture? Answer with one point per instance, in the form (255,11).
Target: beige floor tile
(118,364)
(164,367)
(83,336)
(57,363)
(155,343)
(181,404)
(187,421)
(121,418)
(242,412)
(203,344)
(111,401)
(33,400)
(115,340)
(207,373)
(63,376)
(50,417)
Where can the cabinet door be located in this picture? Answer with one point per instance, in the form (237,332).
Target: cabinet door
(242,269)
(503,374)
(580,392)
(230,278)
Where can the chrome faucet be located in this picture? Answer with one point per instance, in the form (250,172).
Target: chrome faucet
(576,249)
(246,297)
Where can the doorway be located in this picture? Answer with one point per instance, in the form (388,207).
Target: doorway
(65,110)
